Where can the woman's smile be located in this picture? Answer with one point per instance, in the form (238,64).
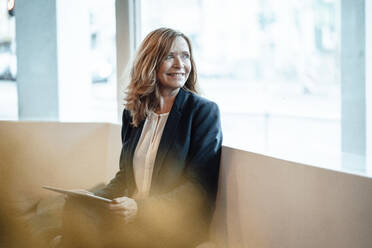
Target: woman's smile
(176,75)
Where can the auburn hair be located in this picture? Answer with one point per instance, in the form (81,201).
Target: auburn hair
(142,93)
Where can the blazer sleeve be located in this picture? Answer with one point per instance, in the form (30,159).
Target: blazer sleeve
(117,185)
(194,199)
(205,149)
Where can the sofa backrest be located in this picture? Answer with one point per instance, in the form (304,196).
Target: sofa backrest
(268,202)
(66,155)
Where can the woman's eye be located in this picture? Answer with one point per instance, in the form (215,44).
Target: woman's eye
(186,56)
(169,56)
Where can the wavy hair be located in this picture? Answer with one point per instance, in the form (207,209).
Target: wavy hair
(142,94)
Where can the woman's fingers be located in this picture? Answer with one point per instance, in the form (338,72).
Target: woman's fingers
(120,199)
(122,203)
(124,207)
(118,206)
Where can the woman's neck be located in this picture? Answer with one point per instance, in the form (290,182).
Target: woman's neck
(166,101)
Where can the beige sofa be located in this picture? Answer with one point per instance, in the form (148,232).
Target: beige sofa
(33,154)
(262,201)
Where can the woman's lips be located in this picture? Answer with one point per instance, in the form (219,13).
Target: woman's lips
(176,75)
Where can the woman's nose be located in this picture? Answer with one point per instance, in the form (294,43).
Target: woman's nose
(177,62)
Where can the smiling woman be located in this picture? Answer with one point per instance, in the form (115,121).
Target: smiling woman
(165,191)
(163,65)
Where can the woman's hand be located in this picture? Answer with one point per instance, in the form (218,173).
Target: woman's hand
(124,207)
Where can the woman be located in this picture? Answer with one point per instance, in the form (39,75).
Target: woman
(165,190)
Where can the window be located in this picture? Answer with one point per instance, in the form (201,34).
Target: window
(8,63)
(272,66)
(81,75)
(103,106)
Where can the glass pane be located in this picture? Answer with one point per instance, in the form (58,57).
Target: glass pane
(272,66)
(103,60)
(8,62)
(102,104)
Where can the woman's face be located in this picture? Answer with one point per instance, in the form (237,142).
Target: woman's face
(175,68)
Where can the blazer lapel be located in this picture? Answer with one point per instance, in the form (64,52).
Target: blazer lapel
(170,129)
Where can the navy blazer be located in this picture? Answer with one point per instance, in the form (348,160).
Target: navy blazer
(187,161)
